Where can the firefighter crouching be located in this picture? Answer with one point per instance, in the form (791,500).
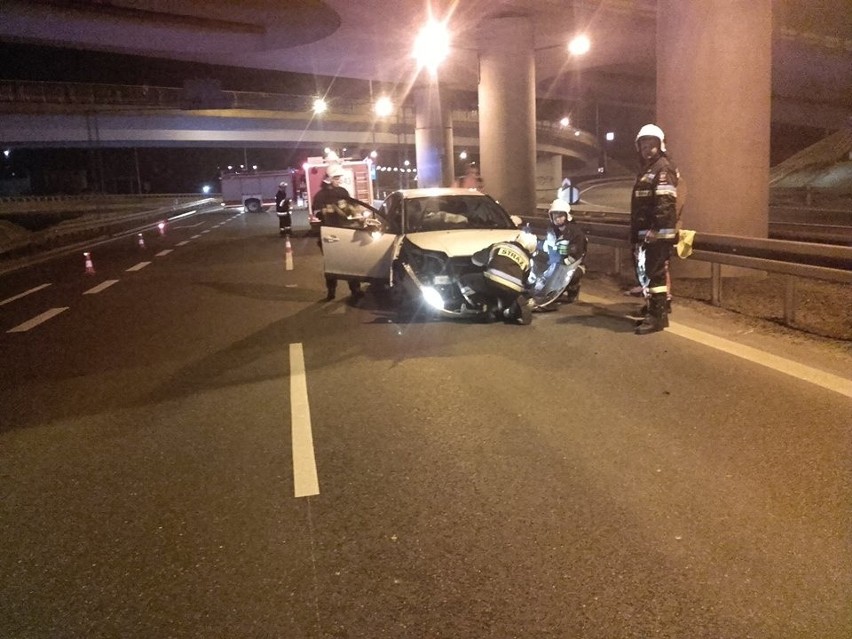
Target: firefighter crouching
(504,277)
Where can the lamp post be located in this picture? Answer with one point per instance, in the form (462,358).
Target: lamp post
(432,132)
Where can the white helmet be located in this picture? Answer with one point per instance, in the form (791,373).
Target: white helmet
(652,131)
(560,206)
(333,171)
(528,241)
(282,184)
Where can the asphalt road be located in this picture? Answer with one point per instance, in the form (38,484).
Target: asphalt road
(567,479)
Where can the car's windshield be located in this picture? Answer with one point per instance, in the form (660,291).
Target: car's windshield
(450,212)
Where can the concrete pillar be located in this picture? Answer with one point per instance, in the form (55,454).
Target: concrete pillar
(433,136)
(548,178)
(713,102)
(507,111)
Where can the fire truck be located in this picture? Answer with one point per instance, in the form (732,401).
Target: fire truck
(357,179)
(257,189)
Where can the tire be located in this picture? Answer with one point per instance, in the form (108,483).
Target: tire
(253,206)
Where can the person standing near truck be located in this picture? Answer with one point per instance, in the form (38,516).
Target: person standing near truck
(282,209)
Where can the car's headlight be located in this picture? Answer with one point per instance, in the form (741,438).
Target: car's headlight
(433,298)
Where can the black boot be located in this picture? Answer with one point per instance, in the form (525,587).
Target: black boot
(657,318)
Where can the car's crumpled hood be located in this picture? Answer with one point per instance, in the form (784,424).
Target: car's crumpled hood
(460,242)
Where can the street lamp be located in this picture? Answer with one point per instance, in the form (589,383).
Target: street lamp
(432,45)
(320,106)
(431,48)
(579,45)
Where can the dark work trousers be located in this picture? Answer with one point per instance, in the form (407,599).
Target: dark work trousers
(656,255)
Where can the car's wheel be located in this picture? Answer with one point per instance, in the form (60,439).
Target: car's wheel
(252,206)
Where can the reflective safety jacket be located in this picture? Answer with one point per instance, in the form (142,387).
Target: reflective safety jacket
(328,202)
(507,264)
(653,204)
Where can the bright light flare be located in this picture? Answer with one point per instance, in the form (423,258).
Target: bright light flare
(579,45)
(320,106)
(433,298)
(432,45)
(565,122)
(383,107)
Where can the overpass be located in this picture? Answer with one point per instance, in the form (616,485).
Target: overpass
(66,114)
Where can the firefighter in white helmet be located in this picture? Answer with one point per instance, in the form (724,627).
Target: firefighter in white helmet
(330,204)
(504,277)
(565,243)
(653,219)
(282,209)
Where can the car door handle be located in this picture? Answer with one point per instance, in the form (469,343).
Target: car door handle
(328,239)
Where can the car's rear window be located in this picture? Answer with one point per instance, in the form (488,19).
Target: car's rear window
(449,212)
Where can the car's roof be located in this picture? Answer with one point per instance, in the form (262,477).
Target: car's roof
(437,192)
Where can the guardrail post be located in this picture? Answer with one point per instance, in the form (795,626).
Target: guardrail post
(617,265)
(790,300)
(716,284)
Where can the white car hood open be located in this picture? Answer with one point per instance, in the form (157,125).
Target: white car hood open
(460,242)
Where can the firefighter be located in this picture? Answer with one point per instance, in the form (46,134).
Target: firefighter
(565,243)
(328,205)
(653,216)
(282,209)
(504,277)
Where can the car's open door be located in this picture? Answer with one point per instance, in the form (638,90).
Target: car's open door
(356,243)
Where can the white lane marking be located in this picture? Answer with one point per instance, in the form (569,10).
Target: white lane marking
(195,237)
(38,319)
(138,267)
(100,287)
(184,243)
(205,231)
(24,294)
(805,373)
(305,480)
(164,252)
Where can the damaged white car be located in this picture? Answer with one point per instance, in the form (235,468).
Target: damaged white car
(418,243)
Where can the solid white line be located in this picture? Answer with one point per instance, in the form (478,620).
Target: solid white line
(100,287)
(38,319)
(828,381)
(184,243)
(138,267)
(305,480)
(24,294)
(799,371)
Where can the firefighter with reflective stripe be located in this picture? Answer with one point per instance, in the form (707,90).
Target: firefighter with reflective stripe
(565,243)
(653,216)
(504,277)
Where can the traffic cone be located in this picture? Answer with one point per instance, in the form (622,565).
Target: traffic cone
(90,268)
(288,253)
(141,241)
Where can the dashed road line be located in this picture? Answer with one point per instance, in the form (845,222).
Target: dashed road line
(24,294)
(184,243)
(100,287)
(38,319)
(138,267)
(164,252)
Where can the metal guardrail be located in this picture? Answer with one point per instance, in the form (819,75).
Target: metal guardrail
(92,224)
(793,259)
